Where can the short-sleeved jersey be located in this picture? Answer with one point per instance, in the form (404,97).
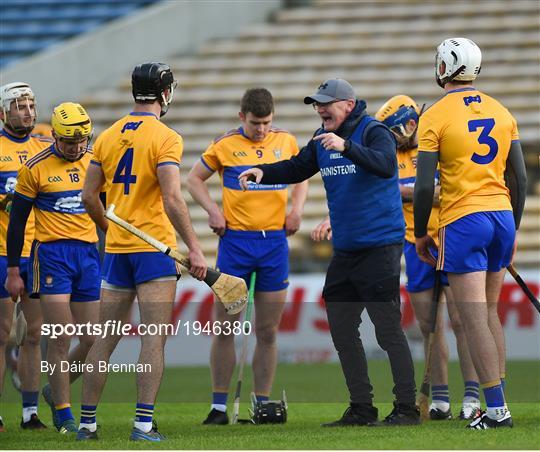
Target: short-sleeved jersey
(407,176)
(261,207)
(14,152)
(472,133)
(54,185)
(129,153)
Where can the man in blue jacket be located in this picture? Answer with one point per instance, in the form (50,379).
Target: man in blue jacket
(356,157)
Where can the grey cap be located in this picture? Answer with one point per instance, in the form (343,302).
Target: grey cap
(332,89)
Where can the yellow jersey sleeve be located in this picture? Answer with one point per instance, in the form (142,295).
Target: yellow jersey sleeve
(27,184)
(428,135)
(515,132)
(170,152)
(210,158)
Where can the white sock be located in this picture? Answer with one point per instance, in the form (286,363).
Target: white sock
(143,426)
(496,413)
(219,407)
(472,400)
(443,406)
(27,412)
(92,427)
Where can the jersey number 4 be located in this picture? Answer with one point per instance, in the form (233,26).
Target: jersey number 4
(484,138)
(123,175)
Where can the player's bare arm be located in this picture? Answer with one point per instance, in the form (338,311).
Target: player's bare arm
(199,191)
(294,217)
(177,211)
(90,196)
(250,175)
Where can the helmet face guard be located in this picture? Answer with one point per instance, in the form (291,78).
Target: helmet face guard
(71,127)
(151,82)
(18,95)
(396,114)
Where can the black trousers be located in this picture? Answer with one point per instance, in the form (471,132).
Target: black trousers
(368,279)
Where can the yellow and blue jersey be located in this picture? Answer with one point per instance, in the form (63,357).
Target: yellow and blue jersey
(261,207)
(14,152)
(407,176)
(54,185)
(129,153)
(472,133)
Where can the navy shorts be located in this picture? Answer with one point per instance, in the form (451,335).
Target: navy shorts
(266,252)
(23,268)
(130,269)
(65,267)
(420,276)
(481,241)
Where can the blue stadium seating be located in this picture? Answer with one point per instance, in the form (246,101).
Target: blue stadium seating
(29,26)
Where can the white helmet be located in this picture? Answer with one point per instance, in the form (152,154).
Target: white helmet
(462,60)
(14,92)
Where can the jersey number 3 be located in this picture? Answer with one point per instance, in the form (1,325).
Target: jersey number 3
(484,138)
(123,175)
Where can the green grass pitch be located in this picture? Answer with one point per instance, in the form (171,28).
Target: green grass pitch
(316,394)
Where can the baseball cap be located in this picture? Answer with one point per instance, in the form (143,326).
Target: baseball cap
(332,89)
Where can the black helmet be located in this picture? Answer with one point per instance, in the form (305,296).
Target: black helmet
(149,81)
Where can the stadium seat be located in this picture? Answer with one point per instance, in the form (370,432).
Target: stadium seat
(30,26)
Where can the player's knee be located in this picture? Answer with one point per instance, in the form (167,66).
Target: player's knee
(61,343)
(87,340)
(457,327)
(153,343)
(266,335)
(224,336)
(4,335)
(33,335)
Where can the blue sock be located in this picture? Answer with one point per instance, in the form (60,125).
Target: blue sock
(262,398)
(219,398)
(30,398)
(440,394)
(144,413)
(88,414)
(472,389)
(494,396)
(63,412)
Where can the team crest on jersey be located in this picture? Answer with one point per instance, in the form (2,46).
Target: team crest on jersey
(277,153)
(70,204)
(48,281)
(413,161)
